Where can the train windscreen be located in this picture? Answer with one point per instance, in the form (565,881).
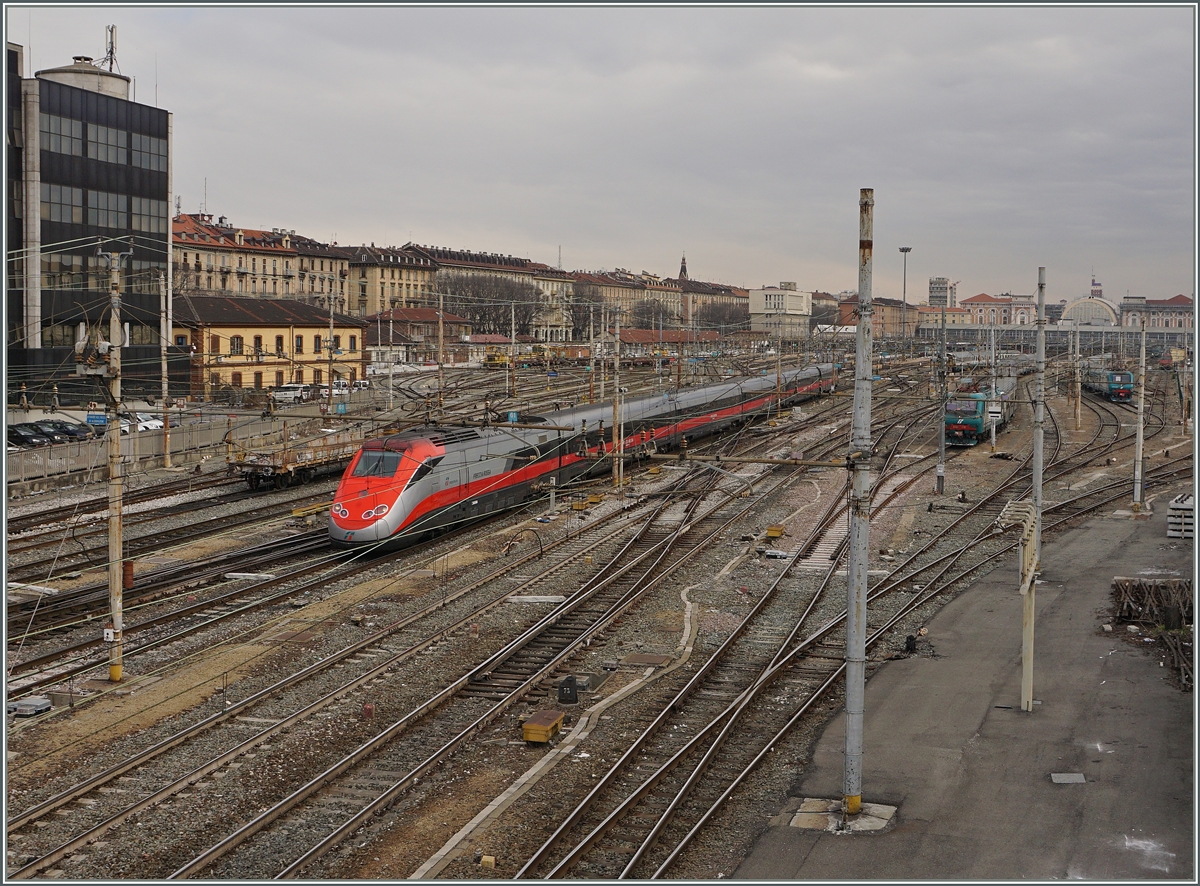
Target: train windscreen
(1122,378)
(963,407)
(377,463)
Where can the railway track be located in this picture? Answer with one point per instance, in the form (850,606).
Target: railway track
(652,803)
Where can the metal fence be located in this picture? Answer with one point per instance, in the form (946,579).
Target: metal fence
(142,450)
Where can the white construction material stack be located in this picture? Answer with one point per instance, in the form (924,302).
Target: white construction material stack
(1181,516)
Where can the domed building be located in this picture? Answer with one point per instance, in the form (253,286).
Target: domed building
(1090,311)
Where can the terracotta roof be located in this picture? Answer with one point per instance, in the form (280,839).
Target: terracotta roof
(487,339)
(984,298)
(198,231)
(375,336)
(217,310)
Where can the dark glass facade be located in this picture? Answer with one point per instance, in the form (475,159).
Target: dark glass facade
(103,182)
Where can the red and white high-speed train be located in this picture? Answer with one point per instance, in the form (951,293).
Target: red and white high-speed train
(400,487)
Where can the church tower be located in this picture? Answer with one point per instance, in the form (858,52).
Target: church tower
(683,268)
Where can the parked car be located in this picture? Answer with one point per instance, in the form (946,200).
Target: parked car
(71,430)
(148,421)
(43,428)
(361,385)
(26,437)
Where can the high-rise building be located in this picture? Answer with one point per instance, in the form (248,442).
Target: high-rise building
(88,170)
(942,292)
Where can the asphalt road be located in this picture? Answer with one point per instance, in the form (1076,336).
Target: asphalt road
(945,740)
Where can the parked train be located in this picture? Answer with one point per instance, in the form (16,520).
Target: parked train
(400,487)
(967,418)
(1110,384)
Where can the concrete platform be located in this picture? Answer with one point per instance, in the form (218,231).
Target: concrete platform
(972,776)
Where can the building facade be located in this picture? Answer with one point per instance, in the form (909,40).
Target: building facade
(1158,313)
(89,171)
(781,311)
(942,292)
(247,343)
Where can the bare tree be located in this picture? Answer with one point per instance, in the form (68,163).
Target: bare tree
(650,313)
(724,318)
(585,309)
(488,301)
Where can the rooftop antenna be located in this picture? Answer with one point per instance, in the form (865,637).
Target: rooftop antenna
(560,256)
(178,205)
(204,205)
(110,56)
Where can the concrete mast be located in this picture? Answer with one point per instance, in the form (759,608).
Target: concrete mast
(859,460)
(1139,477)
(116,544)
(1039,413)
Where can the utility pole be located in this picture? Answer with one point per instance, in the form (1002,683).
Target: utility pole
(1078,384)
(942,397)
(441,351)
(329,345)
(1139,477)
(993,400)
(391,357)
(904,299)
(592,354)
(164,338)
(603,362)
(1039,416)
(616,419)
(512,350)
(116,546)
(859,460)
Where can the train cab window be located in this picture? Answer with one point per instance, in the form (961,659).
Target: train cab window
(963,407)
(378,463)
(424,468)
(1122,378)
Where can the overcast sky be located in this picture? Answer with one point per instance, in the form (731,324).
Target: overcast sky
(996,140)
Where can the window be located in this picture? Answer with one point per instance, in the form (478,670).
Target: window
(279,379)
(317,375)
(299,377)
(274,266)
(299,344)
(141,334)
(58,335)
(235,380)
(362,290)
(235,347)
(258,348)
(62,204)
(61,271)
(316,344)
(214,379)
(279,346)
(214,344)
(107,144)
(354,343)
(337,342)
(181,341)
(258,380)
(61,136)
(107,210)
(149,215)
(149,152)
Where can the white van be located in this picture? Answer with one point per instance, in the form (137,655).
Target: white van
(361,385)
(293,393)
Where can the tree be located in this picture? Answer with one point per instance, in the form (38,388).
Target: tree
(488,301)
(724,318)
(584,310)
(650,313)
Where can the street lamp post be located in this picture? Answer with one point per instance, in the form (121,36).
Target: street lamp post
(904,298)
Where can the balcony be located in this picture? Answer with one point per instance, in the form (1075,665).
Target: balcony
(288,272)
(242,270)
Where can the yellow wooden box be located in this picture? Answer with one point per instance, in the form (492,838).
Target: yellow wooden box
(543,726)
(775,531)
